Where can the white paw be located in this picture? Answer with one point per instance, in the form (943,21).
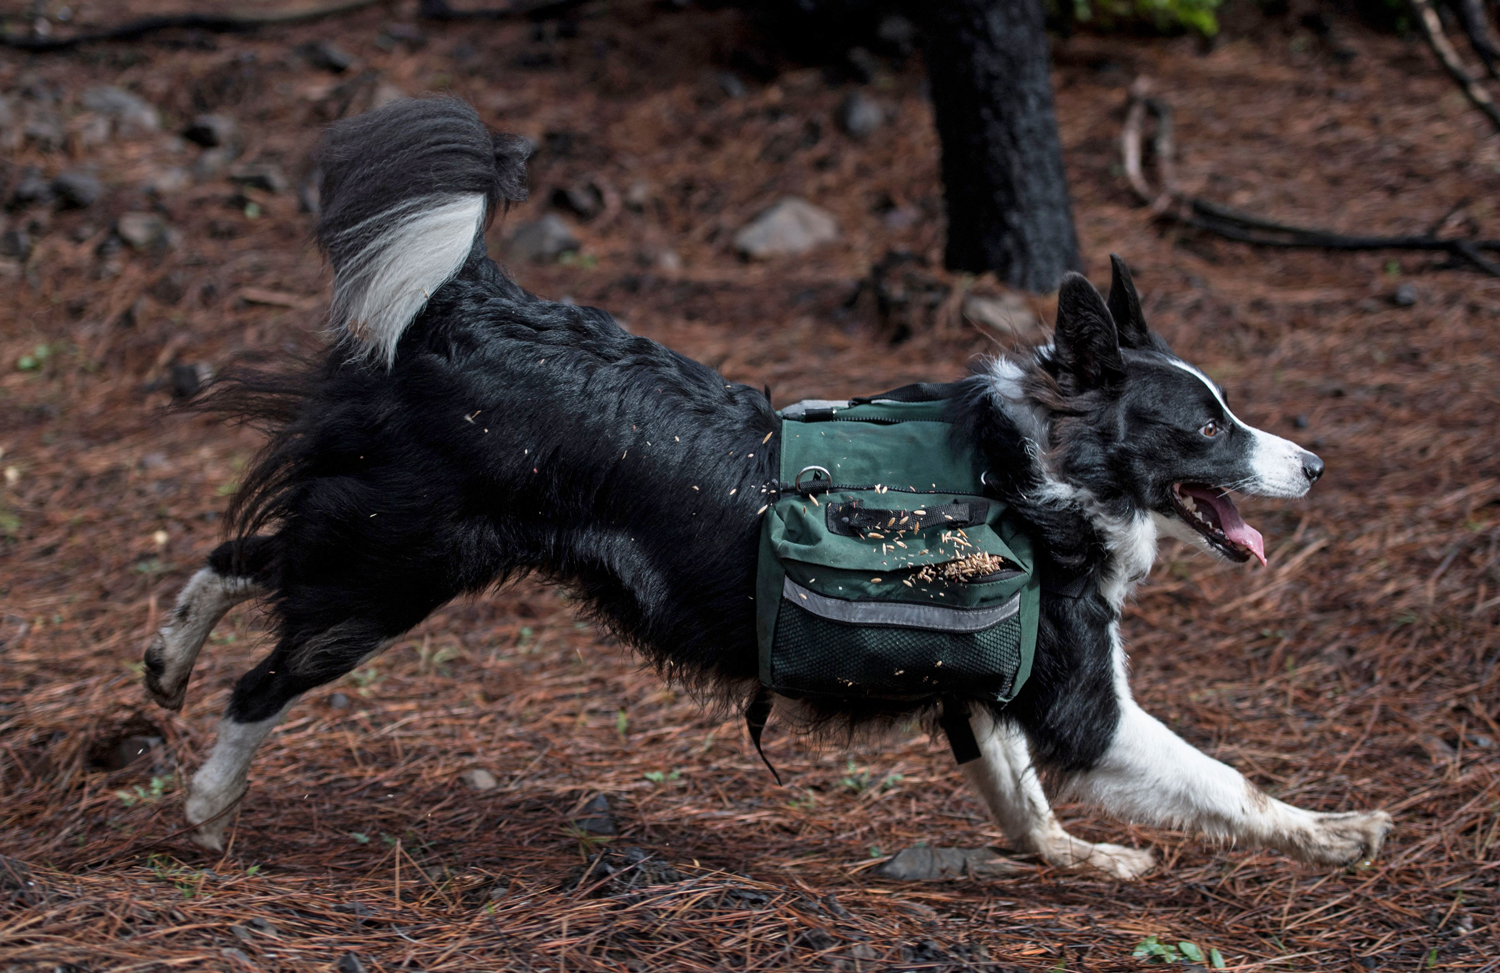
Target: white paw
(1065,851)
(212,817)
(1343,839)
(1120,862)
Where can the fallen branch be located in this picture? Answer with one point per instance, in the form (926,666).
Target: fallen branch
(1471,16)
(236,22)
(1432,27)
(1168,202)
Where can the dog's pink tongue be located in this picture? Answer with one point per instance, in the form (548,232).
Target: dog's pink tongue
(1230,521)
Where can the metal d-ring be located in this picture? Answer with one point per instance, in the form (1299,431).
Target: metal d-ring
(812,487)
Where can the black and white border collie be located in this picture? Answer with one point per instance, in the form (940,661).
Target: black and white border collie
(463,432)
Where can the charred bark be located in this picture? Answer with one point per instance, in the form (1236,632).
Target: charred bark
(1003,181)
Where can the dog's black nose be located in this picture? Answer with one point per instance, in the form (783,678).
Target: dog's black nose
(1312,467)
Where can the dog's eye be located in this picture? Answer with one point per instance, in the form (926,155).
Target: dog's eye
(1211,429)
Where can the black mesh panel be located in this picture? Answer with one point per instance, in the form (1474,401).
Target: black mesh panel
(816,656)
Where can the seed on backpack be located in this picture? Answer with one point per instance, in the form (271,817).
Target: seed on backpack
(874,580)
(768,437)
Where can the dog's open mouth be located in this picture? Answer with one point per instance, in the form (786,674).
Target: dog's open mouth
(1209,511)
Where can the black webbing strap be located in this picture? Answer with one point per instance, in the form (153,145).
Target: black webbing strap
(756,715)
(916,392)
(955,723)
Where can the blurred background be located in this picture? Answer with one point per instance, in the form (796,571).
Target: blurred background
(829,198)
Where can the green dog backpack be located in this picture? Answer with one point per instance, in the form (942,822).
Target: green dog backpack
(884,571)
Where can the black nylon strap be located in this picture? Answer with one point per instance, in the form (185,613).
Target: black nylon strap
(916,392)
(854,519)
(955,723)
(756,715)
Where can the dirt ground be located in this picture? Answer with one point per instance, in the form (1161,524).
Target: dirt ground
(1358,670)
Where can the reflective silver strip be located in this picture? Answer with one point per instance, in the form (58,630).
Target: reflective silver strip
(799,409)
(899,614)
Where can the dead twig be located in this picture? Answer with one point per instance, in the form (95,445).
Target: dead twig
(1432,28)
(1167,202)
(236,22)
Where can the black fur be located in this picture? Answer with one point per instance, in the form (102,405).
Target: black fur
(410,149)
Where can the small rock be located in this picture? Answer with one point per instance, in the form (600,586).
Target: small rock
(901,217)
(597,819)
(238,954)
(131,114)
(94,131)
(863,952)
(355,908)
(862,64)
(44,128)
(731,85)
(326,56)
(898,32)
(188,380)
(169,180)
(77,189)
(211,131)
(541,241)
(142,230)
(584,200)
(262,925)
(667,261)
(15,243)
(241,933)
(349,963)
(1300,421)
(260,175)
(213,161)
(790,227)
(168,288)
(479,780)
(638,196)
(1008,313)
(339,701)
(31,188)
(384,94)
(923,863)
(1405,296)
(859,116)
(308,199)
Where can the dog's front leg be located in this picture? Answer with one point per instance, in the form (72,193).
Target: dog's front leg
(1150,775)
(1005,777)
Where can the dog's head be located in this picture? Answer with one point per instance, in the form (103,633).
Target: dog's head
(1143,430)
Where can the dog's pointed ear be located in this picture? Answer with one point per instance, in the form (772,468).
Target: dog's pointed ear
(1086,344)
(1125,308)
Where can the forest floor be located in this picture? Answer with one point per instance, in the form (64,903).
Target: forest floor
(1358,670)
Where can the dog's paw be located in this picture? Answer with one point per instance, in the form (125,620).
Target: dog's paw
(153,671)
(1115,861)
(212,819)
(1343,839)
(1120,862)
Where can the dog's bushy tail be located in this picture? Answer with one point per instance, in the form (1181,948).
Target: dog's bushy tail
(405,194)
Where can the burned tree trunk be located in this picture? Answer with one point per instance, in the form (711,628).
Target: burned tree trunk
(1003,180)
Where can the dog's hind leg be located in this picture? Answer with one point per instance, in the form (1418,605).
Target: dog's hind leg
(235,571)
(260,700)
(1152,776)
(1007,780)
